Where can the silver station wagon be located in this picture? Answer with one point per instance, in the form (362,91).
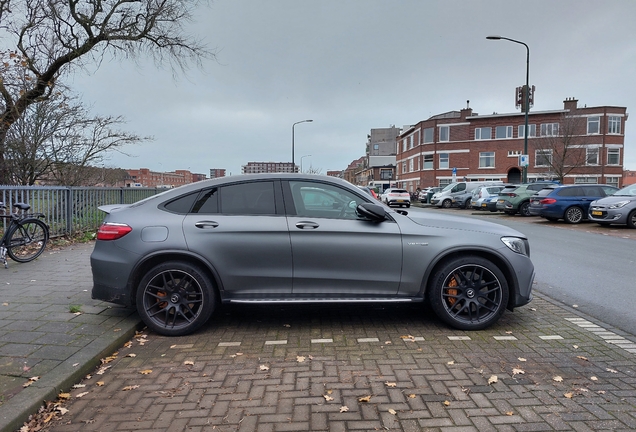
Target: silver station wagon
(284,238)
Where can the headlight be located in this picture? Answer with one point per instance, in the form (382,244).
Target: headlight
(518,245)
(619,204)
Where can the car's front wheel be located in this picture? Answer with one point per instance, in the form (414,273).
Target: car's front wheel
(631,219)
(573,215)
(175,298)
(468,293)
(447,203)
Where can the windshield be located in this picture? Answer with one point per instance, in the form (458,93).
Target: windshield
(449,187)
(626,191)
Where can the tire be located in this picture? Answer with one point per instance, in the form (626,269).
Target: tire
(469,293)
(467,204)
(408,206)
(631,220)
(175,298)
(447,203)
(573,215)
(524,209)
(27,240)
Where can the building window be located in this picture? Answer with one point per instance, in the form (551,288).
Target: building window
(444,133)
(386,174)
(428,135)
(486,159)
(503,132)
(591,156)
(585,180)
(549,129)
(483,133)
(410,165)
(613,156)
(612,181)
(411,142)
(404,144)
(531,127)
(543,157)
(514,153)
(443,160)
(403,167)
(593,125)
(428,161)
(376,146)
(614,125)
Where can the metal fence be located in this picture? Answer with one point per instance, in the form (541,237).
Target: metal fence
(70,210)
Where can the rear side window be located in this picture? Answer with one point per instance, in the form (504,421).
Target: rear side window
(256,198)
(208,202)
(594,191)
(182,205)
(571,192)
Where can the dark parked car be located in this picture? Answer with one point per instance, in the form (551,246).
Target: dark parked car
(286,238)
(568,202)
(369,191)
(616,209)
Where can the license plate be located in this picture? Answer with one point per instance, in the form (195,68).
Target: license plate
(500,201)
(400,200)
(597,213)
(536,202)
(484,205)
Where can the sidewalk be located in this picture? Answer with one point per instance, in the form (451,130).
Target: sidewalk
(41,337)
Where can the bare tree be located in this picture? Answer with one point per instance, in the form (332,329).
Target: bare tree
(559,148)
(54,140)
(52,37)
(312,170)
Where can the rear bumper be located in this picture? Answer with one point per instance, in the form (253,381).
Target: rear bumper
(111,268)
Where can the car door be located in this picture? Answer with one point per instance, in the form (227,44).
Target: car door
(335,252)
(241,230)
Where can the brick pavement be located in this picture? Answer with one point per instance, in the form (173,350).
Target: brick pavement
(40,337)
(311,368)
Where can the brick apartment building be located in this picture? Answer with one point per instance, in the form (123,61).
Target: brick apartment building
(143,177)
(465,145)
(269,167)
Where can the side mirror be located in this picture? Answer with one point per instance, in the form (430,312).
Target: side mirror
(374,212)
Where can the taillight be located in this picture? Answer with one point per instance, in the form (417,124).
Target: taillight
(548,201)
(112,231)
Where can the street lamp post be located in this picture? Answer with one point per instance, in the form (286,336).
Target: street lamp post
(526,98)
(293,159)
(301,162)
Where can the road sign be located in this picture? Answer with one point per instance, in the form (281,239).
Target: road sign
(524,160)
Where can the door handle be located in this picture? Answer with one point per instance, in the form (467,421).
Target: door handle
(307,225)
(206,224)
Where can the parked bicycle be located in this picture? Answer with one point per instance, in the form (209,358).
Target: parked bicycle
(25,235)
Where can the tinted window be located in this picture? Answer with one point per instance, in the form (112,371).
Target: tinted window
(208,202)
(593,191)
(571,191)
(182,204)
(248,198)
(544,192)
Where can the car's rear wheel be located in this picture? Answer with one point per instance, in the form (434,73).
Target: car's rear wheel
(447,203)
(175,298)
(469,293)
(524,209)
(631,219)
(573,215)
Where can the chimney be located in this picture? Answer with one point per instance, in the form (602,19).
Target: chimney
(466,112)
(570,104)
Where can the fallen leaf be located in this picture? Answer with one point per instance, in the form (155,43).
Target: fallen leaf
(521,359)
(446,403)
(390,384)
(79,395)
(344,408)
(533,309)
(300,359)
(392,411)
(611,370)
(388,343)
(102,370)
(582,358)
(329,391)
(492,379)
(557,379)
(327,397)
(408,338)
(364,399)
(146,372)
(286,325)
(509,413)
(568,395)
(64,396)
(516,371)
(601,392)
(508,332)
(264,367)
(131,355)
(452,362)
(575,346)
(61,410)
(132,387)
(239,354)
(99,383)
(412,396)
(594,378)
(128,344)
(76,386)
(188,363)
(26,384)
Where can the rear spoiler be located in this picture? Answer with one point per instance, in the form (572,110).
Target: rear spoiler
(110,207)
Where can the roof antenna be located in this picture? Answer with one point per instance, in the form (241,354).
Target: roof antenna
(467,104)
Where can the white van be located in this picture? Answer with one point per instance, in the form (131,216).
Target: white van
(460,192)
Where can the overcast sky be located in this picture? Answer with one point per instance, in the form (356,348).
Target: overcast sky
(355,65)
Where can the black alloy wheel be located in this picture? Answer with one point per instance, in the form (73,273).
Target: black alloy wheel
(524,209)
(469,293)
(175,298)
(631,219)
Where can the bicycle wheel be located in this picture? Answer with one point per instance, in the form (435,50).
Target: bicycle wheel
(27,240)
